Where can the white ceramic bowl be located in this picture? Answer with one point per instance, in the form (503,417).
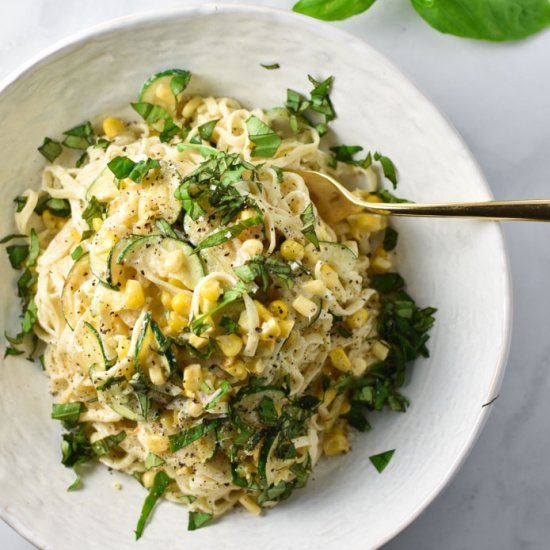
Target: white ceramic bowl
(458,266)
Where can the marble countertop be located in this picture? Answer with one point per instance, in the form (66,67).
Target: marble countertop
(497,95)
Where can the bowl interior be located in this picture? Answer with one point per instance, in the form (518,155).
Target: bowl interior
(457,266)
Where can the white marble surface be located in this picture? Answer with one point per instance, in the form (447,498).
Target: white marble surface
(497,97)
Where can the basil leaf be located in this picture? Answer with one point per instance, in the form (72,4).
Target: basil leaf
(308,220)
(271,67)
(95,209)
(388,167)
(151,113)
(68,413)
(160,484)
(76,448)
(356,417)
(34,249)
(266,141)
(278,171)
(229,325)
(153,461)
(57,207)
(205,130)
(50,149)
(198,520)
(80,137)
(344,153)
(381,460)
(228,233)
(191,206)
(166,229)
(123,167)
(17,254)
(75,484)
(179,82)
(9,238)
(77,253)
(390,239)
(186,437)
(221,391)
(332,10)
(204,150)
(103,446)
(267,412)
(495,20)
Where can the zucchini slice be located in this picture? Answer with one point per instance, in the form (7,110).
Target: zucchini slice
(250,401)
(163,257)
(74,300)
(164,89)
(90,349)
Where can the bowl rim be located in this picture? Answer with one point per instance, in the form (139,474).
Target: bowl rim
(60,46)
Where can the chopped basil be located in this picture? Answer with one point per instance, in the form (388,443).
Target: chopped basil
(186,437)
(191,206)
(153,115)
(57,207)
(160,484)
(266,141)
(261,268)
(179,82)
(309,220)
(12,236)
(34,249)
(388,168)
(95,209)
(103,446)
(205,130)
(153,461)
(75,484)
(356,417)
(82,159)
(271,67)
(77,253)
(227,233)
(229,325)
(279,172)
(198,520)
(17,254)
(267,412)
(390,239)
(380,461)
(123,167)
(50,149)
(68,413)
(80,137)
(219,393)
(204,150)
(166,229)
(386,196)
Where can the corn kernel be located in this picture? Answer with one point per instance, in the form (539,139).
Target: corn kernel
(134,298)
(367,222)
(359,366)
(252,247)
(192,379)
(380,350)
(247,214)
(194,409)
(122,348)
(345,407)
(340,359)
(158,443)
(329,396)
(210,290)
(286,326)
(380,265)
(97,223)
(357,319)
(292,250)
(49,219)
(304,306)
(75,235)
(236,368)
(113,126)
(270,330)
(314,288)
(329,276)
(157,376)
(176,283)
(148,478)
(381,252)
(176,323)
(181,303)
(230,344)
(250,504)
(166,299)
(197,342)
(279,309)
(263,312)
(335,444)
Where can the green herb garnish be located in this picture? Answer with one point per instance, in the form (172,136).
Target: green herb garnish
(123,167)
(153,461)
(227,233)
(160,484)
(309,220)
(186,437)
(198,520)
(266,141)
(80,137)
(68,413)
(261,269)
(381,460)
(205,130)
(50,149)
(271,67)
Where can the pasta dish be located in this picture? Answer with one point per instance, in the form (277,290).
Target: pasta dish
(203,329)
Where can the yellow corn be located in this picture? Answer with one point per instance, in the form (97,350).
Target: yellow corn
(381,252)
(345,407)
(270,330)
(122,349)
(263,312)
(134,297)
(357,319)
(176,323)
(168,419)
(292,250)
(192,379)
(340,359)
(181,303)
(380,350)
(279,309)
(113,126)
(367,222)
(197,341)
(166,299)
(314,288)
(148,478)
(379,265)
(97,223)
(176,282)
(75,235)
(304,306)
(236,368)
(252,247)
(286,326)
(335,443)
(230,344)
(359,366)
(157,376)
(210,290)
(158,443)
(311,254)
(194,409)
(329,396)
(329,276)
(250,504)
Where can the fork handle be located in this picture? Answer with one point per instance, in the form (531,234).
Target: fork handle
(526,210)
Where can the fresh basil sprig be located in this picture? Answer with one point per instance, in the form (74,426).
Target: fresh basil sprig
(494,20)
